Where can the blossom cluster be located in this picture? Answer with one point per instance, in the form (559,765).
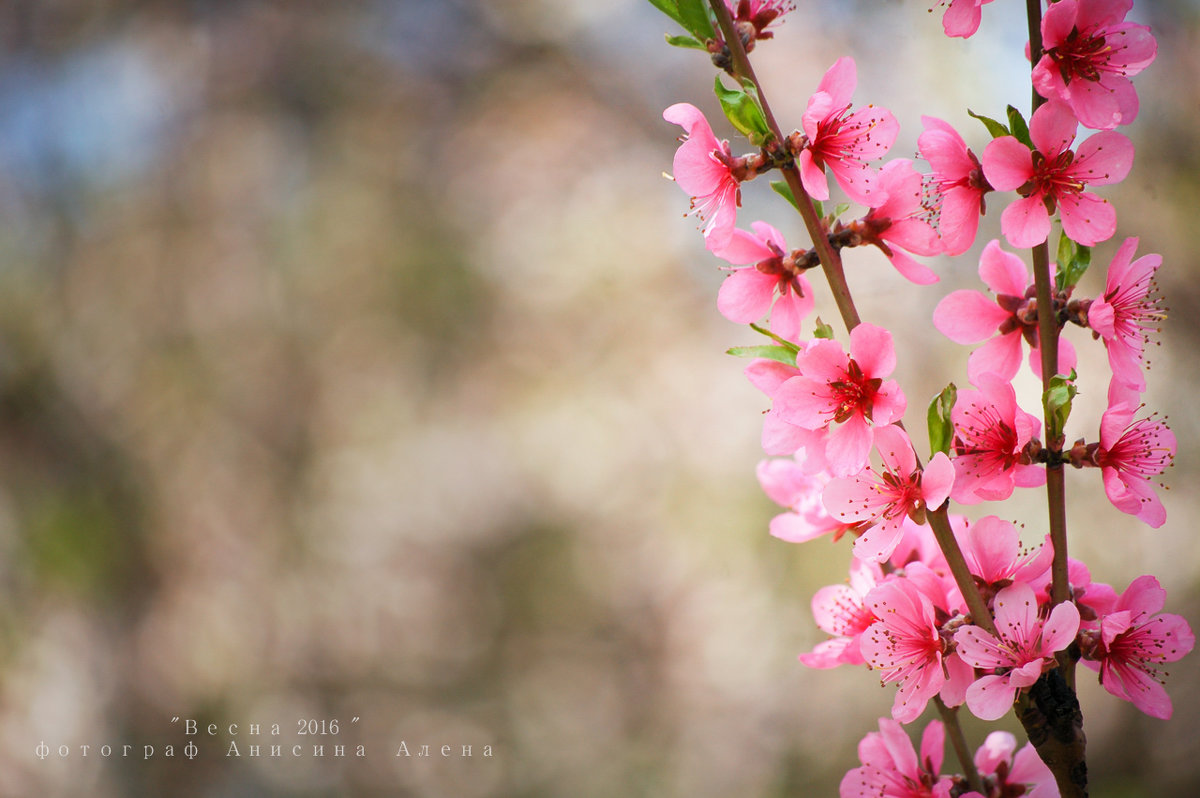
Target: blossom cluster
(842,462)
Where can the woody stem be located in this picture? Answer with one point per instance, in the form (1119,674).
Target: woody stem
(939,522)
(958,742)
(831,261)
(1050,710)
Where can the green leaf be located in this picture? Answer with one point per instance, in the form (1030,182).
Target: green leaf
(1019,129)
(695,16)
(784,190)
(941,428)
(993,127)
(840,208)
(1057,403)
(1073,262)
(781,353)
(781,341)
(822,330)
(691,14)
(743,112)
(688,42)
(670,8)
(819,207)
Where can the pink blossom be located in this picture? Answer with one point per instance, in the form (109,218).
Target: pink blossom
(962,17)
(919,545)
(890,766)
(778,436)
(1090,52)
(992,548)
(896,225)
(923,563)
(844,394)
(1014,772)
(990,435)
(839,611)
(1053,177)
(1130,453)
(1092,599)
(1134,640)
(1024,649)
(899,490)
(767,374)
(906,646)
(752,17)
(789,484)
(703,169)
(1129,309)
(841,140)
(747,293)
(954,192)
(967,317)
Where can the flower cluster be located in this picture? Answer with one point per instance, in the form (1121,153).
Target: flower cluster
(943,606)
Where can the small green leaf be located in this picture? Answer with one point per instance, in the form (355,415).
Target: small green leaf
(941,428)
(819,207)
(993,127)
(695,16)
(1019,129)
(822,330)
(784,190)
(1057,403)
(691,14)
(688,42)
(780,353)
(781,341)
(743,112)
(840,208)
(1073,262)
(670,8)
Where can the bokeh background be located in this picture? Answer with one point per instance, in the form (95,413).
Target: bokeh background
(356,360)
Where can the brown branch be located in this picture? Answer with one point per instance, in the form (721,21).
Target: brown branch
(831,262)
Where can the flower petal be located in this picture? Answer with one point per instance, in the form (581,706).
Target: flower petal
(968,317)
(990,697)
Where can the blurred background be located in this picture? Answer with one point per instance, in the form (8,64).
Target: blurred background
(356,360)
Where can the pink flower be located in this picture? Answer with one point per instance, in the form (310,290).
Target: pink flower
(753,16)
(954,192)
(890,766)
(1135,638)
(767,374)
(992,549)
(1053,176)
(1130,453)
(1024,648)
(778,436)
(747,294)
(1092,599)
(790,485)
(896,224)
(843,141)
(967,317)
(839,611)
(1014,772)
(918,545)
(703,169)
(905,645)
(990,434)
(1090,52)
(845,395)
(962,17)
(1129,309)
(901,490)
